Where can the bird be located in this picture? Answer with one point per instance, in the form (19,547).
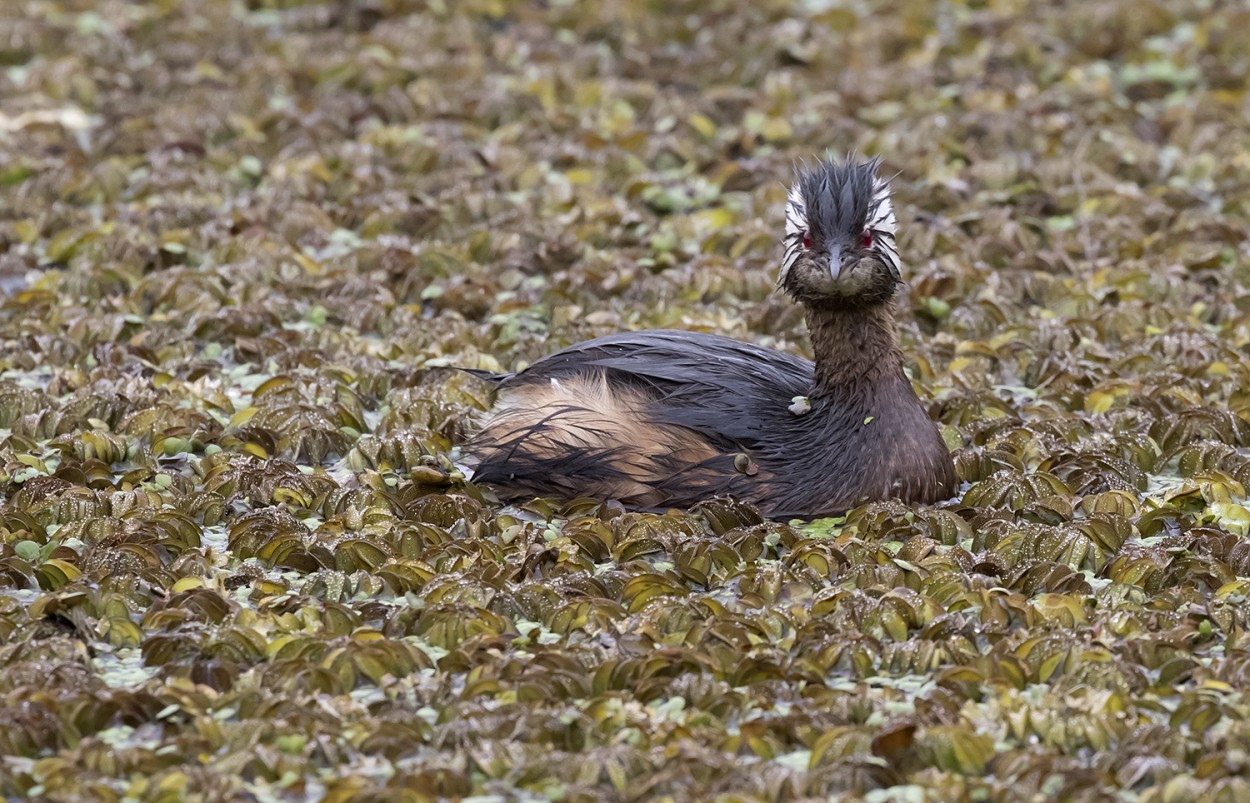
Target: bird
(661,419)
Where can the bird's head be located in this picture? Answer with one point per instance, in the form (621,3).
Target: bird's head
(839,243)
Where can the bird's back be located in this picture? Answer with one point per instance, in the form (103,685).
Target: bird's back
(655,418)
(721,387)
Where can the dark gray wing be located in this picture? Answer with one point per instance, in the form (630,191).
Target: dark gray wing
(715,385)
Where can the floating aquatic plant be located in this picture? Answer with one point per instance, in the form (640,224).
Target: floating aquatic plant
(242,243)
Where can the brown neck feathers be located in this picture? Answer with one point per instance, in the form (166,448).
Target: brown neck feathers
(855,348)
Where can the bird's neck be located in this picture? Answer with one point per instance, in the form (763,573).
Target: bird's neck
(855,348)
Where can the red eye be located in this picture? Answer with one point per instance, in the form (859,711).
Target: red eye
(867,238)
(807,242)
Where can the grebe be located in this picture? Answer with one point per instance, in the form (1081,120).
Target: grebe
(665,418)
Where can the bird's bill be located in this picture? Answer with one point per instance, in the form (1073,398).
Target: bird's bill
(835,261)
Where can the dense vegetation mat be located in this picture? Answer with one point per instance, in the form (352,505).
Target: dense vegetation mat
(238,240)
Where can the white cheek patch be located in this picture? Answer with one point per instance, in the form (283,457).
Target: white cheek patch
(796,224)
(882,223)
(881,209)
(796,211)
